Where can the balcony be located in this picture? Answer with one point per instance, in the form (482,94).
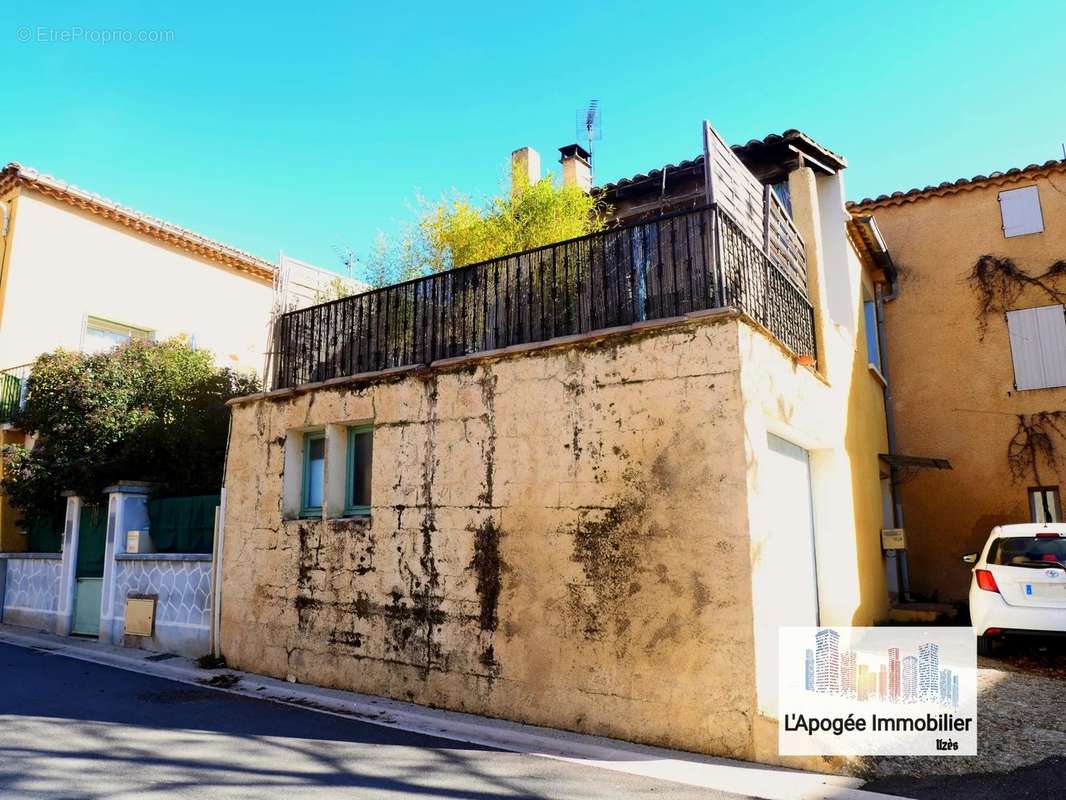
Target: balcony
(704,258)
(12,392)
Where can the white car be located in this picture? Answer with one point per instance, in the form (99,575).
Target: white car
(1019,583)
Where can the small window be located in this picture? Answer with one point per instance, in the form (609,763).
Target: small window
(1044,504)
(784,195)
(1020,211)
(360,464)
(873,344)
(1038,346)
(314,474)
(102,335)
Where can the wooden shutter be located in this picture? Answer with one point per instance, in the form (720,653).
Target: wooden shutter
(1038,346)
(1020,210)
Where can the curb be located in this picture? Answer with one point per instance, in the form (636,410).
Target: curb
(745,778)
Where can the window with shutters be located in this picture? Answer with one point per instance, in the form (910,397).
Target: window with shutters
(1038,346)
(1020,211)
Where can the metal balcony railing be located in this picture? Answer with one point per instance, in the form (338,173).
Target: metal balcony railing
(687,261)
(13,391)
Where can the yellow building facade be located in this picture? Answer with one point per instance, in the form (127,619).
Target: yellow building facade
(973,337)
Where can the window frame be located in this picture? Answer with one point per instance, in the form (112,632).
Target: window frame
(873,339)
(307,511)
(350,508)
(114,327)
(1056,503)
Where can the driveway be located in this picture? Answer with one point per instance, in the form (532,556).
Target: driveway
(74,729)
(1021,735)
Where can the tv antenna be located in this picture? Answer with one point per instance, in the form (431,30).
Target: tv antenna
(588,124)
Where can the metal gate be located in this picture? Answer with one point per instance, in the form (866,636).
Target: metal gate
(89,570)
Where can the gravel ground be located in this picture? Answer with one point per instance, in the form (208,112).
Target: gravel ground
(1021,735)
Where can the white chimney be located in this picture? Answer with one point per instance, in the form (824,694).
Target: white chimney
(577,166)
(525,168)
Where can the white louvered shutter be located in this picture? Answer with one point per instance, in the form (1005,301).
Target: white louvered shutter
(1038,346)
(1020,210)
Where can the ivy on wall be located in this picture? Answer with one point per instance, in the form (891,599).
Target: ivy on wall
(1034,442)
(999,282)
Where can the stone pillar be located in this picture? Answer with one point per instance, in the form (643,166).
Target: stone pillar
(71,527)
(127,510)
(803,189)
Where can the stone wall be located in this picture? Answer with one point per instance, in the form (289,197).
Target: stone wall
(29,587)
(181,582)
(557,537)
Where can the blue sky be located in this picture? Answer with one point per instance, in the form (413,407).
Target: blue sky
(297,127)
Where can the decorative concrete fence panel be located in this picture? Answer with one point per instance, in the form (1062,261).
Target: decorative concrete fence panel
(39,590)
(29,586)
(181,584)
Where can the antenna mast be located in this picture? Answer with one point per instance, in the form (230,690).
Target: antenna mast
(588,125)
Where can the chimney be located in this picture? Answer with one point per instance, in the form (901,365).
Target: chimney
(577,166)
(525,168)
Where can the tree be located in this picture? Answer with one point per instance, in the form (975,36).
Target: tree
(455,231)
(143,411)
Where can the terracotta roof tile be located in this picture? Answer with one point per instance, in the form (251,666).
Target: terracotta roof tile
(17,174)
(1012,175)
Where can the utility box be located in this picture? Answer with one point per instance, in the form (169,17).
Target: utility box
(140,615)
(139,542)
(893,539)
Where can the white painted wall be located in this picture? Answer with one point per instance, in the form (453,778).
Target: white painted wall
(842,281)
(67,264)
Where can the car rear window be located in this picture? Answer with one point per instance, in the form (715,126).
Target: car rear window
(1016,551)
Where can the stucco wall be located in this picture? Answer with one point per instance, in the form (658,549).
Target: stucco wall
(839,421)
(954,392)
(558,537)
(65,264)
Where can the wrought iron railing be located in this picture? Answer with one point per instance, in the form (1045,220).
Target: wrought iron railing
(12,391)
(677,263)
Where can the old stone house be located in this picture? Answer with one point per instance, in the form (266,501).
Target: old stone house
(581,486)
(976,338)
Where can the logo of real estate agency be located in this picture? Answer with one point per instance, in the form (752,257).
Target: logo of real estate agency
(877,691)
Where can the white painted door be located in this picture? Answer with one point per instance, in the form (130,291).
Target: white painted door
(789,550)
(784,575)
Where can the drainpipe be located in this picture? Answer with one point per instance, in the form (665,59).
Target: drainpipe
(880,298)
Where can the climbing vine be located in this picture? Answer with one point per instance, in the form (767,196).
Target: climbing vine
(1034,442)
(999,282)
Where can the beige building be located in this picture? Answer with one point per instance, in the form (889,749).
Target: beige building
(976,352)
(582,486)
(81,272)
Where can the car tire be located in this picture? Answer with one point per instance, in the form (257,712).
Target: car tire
(987,646)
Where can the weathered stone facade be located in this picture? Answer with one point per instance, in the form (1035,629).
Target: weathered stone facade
(558,537)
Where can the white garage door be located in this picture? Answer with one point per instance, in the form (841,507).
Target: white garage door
(784,577)
(789,550)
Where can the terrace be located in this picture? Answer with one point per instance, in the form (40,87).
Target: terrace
(740,250)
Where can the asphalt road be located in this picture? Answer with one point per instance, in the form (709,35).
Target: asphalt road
(72,729)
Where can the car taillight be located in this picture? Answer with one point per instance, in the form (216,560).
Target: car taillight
(1049,536)
(985,580)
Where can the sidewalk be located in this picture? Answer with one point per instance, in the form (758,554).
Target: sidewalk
(768,783)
